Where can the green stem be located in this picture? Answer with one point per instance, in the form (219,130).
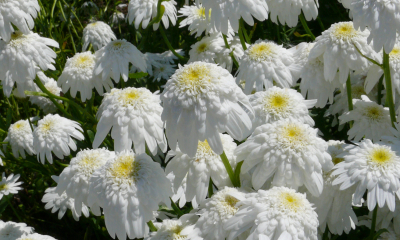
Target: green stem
(373,224)
(164,36)
(151,226)
(52,9)
(229,169)
(349,97)
(231,53)
(320,23)
(176,208)
(26,108)
(242,41)
(15,211)
(380,88)
(160,13)
(305,26)
(325,236)
(210,188)
(246,37)
(389,92)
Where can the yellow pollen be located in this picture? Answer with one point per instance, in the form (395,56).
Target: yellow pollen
(3,187)
(290,201)
(93,24)
(194,77)
(129,96)
(261,51)
(357,91)
(337,160)
(204,147)
(230,203)
(47,126)
(16,35)
(125,167)
(202,12)
(117,44)
(395,51)
(345,31)
(293,133)
(83,59)
(18,125)
(202,48)
(381,155)
(373,112)
(278,102)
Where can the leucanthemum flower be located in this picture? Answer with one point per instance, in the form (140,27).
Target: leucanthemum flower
(279,213)
(223,57)
(12,230)
(174,229)
(99,34)
(61,203)
(9,185)
(144,11)
(129,188)
(74,179)
(78,76)
(381,18)
(114,58)
(280,103)
(201,100)
(337,45)
(164,71)
(35,236)
(289,152)
(372,167)
(371,120)
(20,56)
(195,172)
(117,17)
(264,63)
(226,13)
(44,103)
(20,138)
(207,49)
(288,11)
(18,13)
(215,211)
(54,134)
(134,114)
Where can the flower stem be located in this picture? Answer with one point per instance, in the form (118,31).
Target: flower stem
(151,226)
(373,224)
(229,169)
(231,53)
(389,92)
(380,88)
(349,97)
(305,26)
(210,188)
(164,36)
(176,208)
(246,37)
(15,211)
(242,40)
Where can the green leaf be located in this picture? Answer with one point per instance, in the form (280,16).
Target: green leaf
(378,233)
(237,171)
(138,75)
(91,135)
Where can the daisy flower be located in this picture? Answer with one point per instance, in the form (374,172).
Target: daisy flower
(207,48)
(301,52)
(174,229)
(288,11)
(289,152)
(61,203)
(215,211)
(74,179)
(382,19)
(117,17)
(279,213)
(372,167)
(201,100)
(196,171)
(20,138)
(20,56)
(54,134)
(226,13)
(9,185)
(164,71)
(371,120)
(144,11)
(134,114)
(35,236)
(18,13)
(277,103)
(78,76)
(44,103)
(129,188)
(337,45)
(12,230)
(264,63)
(113,60)
(99,34)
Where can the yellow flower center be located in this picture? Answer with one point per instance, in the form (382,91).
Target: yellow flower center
(357,91)
(337,160)
(3,187)
(194,78)
(277,102)
(202,12)
(293,133)
(19,125)
(230,203)
(344,31)
(381,155)
(290,201)
(202,48)
(46,126)
(373,112)
(17,39)
(395,53)
(117,45)
(125,167)
(262,51)
(129,96)
(204,147)
(176,233)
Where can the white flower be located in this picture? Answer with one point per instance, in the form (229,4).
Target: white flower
(196,171)
(289,152)
(134,114)
(99,34)
(277,103)
(215,211)
(117,17)
(144,11)
(381,17)
(201,100)
(129,188)
(113,60)
(334,206)
(168,56)
(279,213)
(74,179)
(371,120)
(164,71)
(20,138)
(35,236)
(20,56)
(264,63)
(207,48)
(391,234)
(61,203)
(54,134)
(223,57)
(44,103)
(9,185)
(337,45)
(78,77)
(372,167)
(12,230)
(174,229)
(19,13)
(226,13)
(300,52)
(1,160)
(288,11)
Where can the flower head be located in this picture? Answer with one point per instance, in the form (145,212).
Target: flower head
(174,229)
(35,236)
(20,138)
(142,12)
(9,185)
(98,34)
(12,230)
(54,134)
(44,103)
(288,11)
(207,49)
